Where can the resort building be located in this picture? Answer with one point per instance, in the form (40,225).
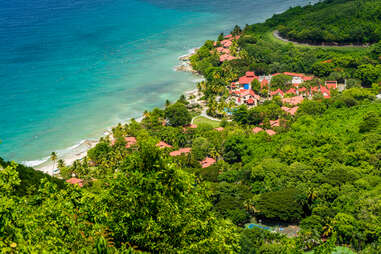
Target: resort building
(270,132)
(130,141)
(293,100)
(291,111)
(162,145)
(207,162)
(277,92)
(257,129)
(75,181)
(181,151)
(331,84)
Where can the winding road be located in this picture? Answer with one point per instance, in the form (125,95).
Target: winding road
(279,37)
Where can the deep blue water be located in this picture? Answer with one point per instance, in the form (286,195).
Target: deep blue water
(70,69)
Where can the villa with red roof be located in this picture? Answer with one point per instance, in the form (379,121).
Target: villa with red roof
(264,83)
(75,181)
(293,100)
(162,145)
(248,97)
(219,128)
(275,123)
(303,91)
(247,79)
(331,84)
(270,132)
(130,141)
(325,92)
(207,162)
(297,78)
(227,57)
(181,151)
(291,91)
(226,43)
(257,129)
(277,92)
(291,111)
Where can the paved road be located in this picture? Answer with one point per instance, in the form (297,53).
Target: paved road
(203,113)
(278,36)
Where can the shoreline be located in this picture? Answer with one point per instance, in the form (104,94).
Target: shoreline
(79,151)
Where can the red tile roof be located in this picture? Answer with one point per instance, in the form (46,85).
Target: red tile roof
(219,128)
(228,36)
(250,101)
(293,74)
(305,78)
(331,84)
(130,141)
(275,123)
(293,100)
(291,111)
(255,96)
(180,151)
(314,89)
(278,91)
(227,57)
(257,129)
(302,89)
(162,144)
(291,91)
(250,74)
(270,132)
(245,80)
(264,83)
(207,162)
(75,181)
(226,43)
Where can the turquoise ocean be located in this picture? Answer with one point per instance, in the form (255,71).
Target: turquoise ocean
(70,69)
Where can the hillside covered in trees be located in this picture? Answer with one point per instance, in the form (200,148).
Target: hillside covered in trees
(164,185)
(321,172)
(339,21)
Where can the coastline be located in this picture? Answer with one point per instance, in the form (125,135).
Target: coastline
(79,151)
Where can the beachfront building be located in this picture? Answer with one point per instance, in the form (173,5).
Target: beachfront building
(223,48)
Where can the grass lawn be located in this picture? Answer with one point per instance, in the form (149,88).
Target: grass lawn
(269,36)
(202,120)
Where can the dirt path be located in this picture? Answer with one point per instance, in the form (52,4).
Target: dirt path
(279,37)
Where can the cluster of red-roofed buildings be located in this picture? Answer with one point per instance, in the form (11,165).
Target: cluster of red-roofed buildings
(223,48)
(241,91)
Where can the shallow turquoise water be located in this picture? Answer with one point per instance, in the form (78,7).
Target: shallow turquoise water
(70,69)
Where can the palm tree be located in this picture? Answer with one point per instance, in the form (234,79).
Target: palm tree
(167,103)
(53,157)
(60,163)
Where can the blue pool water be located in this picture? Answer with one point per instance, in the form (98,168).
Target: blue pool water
(70,69)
